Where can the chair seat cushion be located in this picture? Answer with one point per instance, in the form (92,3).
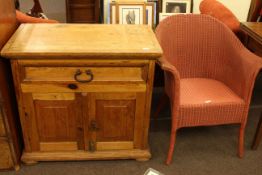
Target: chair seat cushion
(202,91)
(209,101)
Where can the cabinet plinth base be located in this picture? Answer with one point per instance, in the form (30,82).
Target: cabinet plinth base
(17,167)
(29,162)
(142,159)
(34,157)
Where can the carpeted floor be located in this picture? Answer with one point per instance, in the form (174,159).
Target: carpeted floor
(198,151)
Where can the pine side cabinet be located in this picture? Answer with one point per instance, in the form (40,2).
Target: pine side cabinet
(84,91)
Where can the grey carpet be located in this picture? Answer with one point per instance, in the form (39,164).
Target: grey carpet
(198,151)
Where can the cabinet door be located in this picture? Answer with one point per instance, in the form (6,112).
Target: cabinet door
(53,121)
(115,120)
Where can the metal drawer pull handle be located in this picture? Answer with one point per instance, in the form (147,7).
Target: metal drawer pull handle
(88,72)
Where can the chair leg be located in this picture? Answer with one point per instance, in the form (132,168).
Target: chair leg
(241,141)
(161,104)
(258,135)
(171,147)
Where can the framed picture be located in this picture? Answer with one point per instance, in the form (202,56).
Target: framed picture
(176,6)
(165,15)
(132,13)
(156,10)
(150,13)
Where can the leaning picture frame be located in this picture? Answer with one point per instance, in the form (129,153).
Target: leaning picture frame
(132,13)
(162,16)
(176,6)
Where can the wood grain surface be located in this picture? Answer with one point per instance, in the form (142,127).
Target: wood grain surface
(84,91)
(253,37)
(253,29)
(2,126)
(10,145)
(6,160)
(66,41)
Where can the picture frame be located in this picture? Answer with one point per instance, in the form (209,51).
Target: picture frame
(156,10)
(162,16)
(132,13)
(176,6)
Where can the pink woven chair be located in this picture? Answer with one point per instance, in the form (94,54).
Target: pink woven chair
(209,74)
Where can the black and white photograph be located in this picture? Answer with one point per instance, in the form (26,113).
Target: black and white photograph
(176,6)
(132,13)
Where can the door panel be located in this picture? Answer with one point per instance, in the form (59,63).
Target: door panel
(55,120)
(111,120)
(58,122)
(115,119)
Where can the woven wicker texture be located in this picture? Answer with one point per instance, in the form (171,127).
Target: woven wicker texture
(209,74)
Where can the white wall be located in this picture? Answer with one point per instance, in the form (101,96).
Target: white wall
(54,9)
(239,7)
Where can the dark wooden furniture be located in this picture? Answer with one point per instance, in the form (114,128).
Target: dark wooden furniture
(84,91)
(83,11)
(10,145)
(253,40)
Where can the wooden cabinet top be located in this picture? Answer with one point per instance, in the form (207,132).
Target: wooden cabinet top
(69,41)
(253,29)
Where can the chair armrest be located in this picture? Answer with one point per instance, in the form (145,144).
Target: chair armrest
(167,66)
(245,68)
(172,86)
(254,66)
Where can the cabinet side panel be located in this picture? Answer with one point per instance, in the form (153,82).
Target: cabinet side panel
(146,122)
(6,161)
(10,117)
(2,127)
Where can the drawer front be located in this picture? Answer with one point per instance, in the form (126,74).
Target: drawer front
(5,158)
(2,127)
(83,74)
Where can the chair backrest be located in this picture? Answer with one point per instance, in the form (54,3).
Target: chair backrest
(197,45)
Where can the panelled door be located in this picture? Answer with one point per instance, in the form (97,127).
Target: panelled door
(114,120)
(57,118)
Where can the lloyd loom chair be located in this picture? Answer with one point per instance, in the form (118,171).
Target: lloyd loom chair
(209,74)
